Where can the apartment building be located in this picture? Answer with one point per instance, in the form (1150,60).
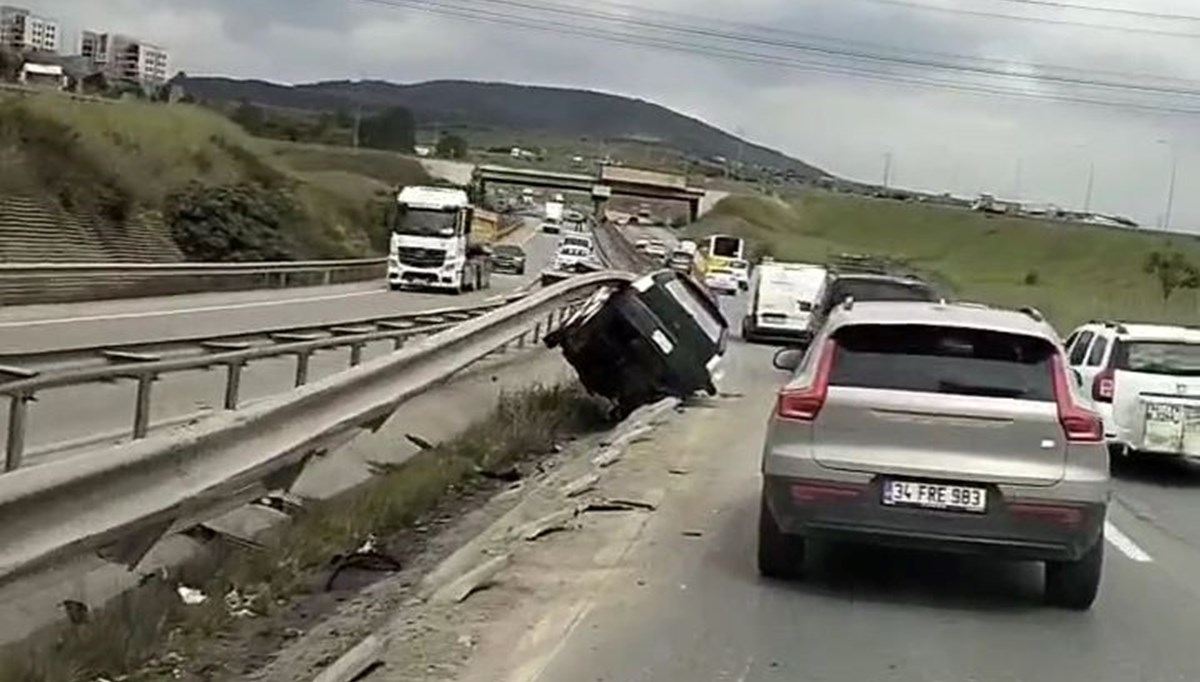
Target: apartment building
(22,30)
(125,58)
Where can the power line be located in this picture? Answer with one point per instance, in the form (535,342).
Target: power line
(1106,10)
(1037,20)
(574,9)
(1044,73)
(560,28)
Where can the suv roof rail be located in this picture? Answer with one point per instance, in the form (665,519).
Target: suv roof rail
(1033,313)
(848,303)
(1111,324)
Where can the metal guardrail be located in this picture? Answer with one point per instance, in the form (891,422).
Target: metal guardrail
(26,283)
(231,353)
(120,500)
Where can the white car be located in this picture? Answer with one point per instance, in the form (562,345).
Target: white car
(721,280)
(656,249)
(569,256)
(1144,381)
(741,272)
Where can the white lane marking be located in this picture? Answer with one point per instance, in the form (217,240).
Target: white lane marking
(183,311)
(1122,542)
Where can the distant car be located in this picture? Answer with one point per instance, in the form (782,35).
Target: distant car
(1144,382)
(570,256)
(641,245)
(578,239)
(939,426)
(873,287)
(508,258)
(722,280)
(782,301)
(551,227)
(656,249)
(741,272)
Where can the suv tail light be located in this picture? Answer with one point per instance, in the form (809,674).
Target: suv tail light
(1080,424)
(805,403)
(1102,387)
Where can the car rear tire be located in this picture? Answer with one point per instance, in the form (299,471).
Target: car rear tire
(1075,584)
(779,555)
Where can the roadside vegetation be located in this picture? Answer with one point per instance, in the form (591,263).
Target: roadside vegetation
(1071,272)
(110,161)
(151,635)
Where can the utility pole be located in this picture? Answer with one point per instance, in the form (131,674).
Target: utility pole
(1017,180)
(1170,184)
(1087,197)
(887,169)
(357,123)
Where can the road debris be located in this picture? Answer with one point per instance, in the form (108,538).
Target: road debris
(607,457)
(692,534)
(472,581)
(356,663)
(556,521)
(581,485)
(190,595)
(677,471)
(366,558)
(419,441)
(618,505)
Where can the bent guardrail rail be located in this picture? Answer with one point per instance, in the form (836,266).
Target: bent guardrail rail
(26,283)
(120,500)
(22,384)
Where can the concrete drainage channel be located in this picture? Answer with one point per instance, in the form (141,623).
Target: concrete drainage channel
(547,504)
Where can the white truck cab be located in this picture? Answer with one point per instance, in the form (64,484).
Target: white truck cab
(1144,382)
(431,245)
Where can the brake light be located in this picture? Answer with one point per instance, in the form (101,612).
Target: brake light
(1079,424)
(805,403)
(1102,387)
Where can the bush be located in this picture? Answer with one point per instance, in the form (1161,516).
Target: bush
(232,223)
(1032,278)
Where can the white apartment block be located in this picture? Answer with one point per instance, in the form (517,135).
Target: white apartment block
(23,30)
(125,58)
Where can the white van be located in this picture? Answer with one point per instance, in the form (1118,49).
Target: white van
(783,297)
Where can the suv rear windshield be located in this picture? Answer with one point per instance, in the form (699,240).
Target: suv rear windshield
(955,360)
(1159,357)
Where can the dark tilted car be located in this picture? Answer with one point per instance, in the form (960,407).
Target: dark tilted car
(508,258)
(658,337)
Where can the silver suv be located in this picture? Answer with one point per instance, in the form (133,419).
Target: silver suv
(937,426)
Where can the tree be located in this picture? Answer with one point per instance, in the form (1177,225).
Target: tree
(1172,271)
(392,129)
(232,223)
(250,117)
(451,146)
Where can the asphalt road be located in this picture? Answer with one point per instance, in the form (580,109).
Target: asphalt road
(686,602)
(60,327)
(65,420)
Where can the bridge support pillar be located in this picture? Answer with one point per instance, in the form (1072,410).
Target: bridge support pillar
(693,210)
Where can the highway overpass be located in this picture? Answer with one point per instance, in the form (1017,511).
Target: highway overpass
(609,182)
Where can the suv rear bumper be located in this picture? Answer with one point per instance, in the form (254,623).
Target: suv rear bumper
(857,515)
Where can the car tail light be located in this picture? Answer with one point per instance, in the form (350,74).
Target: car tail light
(1080,424)
(804,403)
(1066,515)
(817,491)
(1102,387)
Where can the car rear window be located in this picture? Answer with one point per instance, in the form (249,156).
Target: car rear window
(509,250)
(953,360)
(1175,358)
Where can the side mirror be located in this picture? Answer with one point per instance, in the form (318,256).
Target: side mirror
(788,359)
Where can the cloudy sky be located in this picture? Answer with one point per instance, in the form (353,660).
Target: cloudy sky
(777,70)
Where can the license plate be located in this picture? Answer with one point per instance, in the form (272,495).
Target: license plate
(935,496)
(1171,428)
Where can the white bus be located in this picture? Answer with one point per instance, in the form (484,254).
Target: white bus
(723,247)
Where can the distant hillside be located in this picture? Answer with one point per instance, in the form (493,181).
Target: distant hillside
(559,111)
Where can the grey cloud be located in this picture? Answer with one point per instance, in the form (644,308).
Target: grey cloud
(939,139)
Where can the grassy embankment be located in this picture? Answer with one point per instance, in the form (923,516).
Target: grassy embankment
(149,635)
(108,161)
(1071,272)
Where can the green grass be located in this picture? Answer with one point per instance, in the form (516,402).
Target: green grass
(1071,272)
(130,639)
(117,158)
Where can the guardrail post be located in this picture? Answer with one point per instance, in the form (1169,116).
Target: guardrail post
(537,332)
(302,358)
(233,384)
(141,412)
(356,351)
(521,340)
(18,408)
